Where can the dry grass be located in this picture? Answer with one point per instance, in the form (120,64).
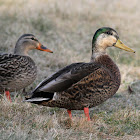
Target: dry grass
(67,28)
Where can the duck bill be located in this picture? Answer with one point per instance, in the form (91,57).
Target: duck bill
(43,48)
(120,45)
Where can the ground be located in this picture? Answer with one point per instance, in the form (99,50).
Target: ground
(67,28)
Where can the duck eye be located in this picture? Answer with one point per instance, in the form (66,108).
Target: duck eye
(32,38)
(109,33)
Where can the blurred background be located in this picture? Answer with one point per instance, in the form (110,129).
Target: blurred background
(67,28)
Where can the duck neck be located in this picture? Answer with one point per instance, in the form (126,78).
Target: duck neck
(97,51)
(21,49)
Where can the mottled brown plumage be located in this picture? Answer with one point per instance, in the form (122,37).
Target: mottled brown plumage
(83,85)
(100,84)
(18,70)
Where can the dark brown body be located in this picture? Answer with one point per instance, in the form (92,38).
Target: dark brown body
(91,90)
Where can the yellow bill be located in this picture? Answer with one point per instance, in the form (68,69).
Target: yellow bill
(120,45)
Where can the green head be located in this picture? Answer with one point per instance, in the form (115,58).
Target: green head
(107,37)
(104,31)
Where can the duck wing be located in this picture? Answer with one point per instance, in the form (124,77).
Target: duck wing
(66,77)
(12,66)
(8,65)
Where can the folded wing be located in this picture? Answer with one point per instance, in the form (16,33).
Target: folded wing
(65,78)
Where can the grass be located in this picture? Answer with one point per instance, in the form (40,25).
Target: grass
(67,28)
(21,120)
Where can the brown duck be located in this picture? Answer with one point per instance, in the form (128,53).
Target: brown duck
(80,86)
(18,70)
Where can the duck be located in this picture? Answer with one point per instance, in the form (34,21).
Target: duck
(80,86)
(18,70)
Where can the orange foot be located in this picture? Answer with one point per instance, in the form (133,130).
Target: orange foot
(7,93)
(69,112)
(86,110)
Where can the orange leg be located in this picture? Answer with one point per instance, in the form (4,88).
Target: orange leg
(69,112)
(86,111)
(7,93)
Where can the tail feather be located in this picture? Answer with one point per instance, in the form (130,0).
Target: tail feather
(42,94)
(39,97)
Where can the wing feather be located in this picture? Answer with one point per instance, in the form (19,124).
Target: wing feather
(66,77)
(11,66)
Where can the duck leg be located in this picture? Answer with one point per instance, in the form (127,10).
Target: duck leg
(69,112)
(86,111)
(7,93)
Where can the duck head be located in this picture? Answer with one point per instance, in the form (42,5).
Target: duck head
(106,37)
(28,42)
